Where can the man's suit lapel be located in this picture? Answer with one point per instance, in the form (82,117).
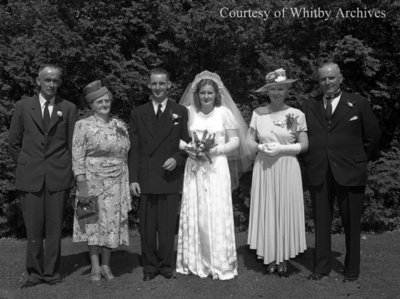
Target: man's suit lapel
(165,123)
(342,109)
(54,116)
(319,111)
(36,112)
(164,126)
(149,119)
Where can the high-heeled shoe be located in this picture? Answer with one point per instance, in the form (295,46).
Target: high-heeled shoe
(95,275)
(282,269)
(271,268)
(106,273)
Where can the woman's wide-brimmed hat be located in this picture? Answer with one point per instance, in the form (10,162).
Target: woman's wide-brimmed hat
(274,78)
(94,90)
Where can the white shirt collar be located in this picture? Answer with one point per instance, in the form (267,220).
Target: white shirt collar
(43,101)
(334,101)
(163,105)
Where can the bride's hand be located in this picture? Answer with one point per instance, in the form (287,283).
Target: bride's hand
(217,150)
(182,144)
(189,151)
(191,155)
(213,151)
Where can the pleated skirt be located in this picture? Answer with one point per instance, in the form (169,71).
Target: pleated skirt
(276,224)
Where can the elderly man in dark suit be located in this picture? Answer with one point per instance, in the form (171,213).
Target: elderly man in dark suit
(343,135)
(156,169)
(40,138)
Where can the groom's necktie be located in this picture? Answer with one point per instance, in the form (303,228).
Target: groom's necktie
(46,116)
(159,111)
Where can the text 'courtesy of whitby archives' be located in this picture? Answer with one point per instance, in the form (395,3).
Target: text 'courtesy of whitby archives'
(301,12)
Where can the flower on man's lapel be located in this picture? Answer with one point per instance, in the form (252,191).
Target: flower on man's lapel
(59,113)
(350,104)
(175,117)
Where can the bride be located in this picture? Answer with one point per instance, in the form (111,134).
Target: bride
(206,242)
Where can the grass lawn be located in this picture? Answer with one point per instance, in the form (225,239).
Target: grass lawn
(380,274)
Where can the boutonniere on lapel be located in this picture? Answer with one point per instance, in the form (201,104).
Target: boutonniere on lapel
(350,104)
(175,117)
(59,114)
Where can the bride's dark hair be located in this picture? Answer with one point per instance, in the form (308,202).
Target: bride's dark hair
(202,83)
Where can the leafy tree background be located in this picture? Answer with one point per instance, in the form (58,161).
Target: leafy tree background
(119,41)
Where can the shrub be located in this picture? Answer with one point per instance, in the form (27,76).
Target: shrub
(11,222)
(382,204)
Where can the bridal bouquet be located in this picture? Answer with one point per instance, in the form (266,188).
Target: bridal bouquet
(200,148)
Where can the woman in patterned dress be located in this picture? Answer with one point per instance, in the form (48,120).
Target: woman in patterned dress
(206,241)
(99,161)
(278,133)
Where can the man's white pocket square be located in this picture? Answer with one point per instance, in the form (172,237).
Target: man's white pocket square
(176,123)
(354,118)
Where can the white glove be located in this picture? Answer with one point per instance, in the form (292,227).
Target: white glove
(226,148)
(182,144)
(274,148)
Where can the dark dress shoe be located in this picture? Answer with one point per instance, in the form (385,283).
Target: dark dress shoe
(148,277)
(169,276)
(30,284)
(350,279)
(316,276)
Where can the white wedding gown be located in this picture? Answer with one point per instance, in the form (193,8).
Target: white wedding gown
(206,242)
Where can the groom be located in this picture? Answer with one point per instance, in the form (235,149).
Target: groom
(155,173)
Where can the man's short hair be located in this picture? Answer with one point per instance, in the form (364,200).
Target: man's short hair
(328,63)
(159,71)
(49,65)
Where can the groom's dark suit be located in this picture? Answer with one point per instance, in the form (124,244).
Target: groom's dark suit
(336,162)
(43,177)
(153,142)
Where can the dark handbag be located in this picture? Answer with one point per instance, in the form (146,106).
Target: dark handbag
(86,208)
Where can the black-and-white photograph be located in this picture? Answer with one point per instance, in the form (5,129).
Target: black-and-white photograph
(199,149)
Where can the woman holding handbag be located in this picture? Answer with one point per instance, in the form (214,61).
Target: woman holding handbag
(99,161)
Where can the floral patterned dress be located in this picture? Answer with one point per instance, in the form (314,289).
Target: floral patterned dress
(100,151)
(276,225)
(206,240)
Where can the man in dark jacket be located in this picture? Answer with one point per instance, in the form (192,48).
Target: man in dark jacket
(40,138)
(156,173)
(343,135)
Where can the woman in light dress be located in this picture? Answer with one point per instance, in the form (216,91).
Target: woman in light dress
(277,133)
(206,241)
(99,161)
